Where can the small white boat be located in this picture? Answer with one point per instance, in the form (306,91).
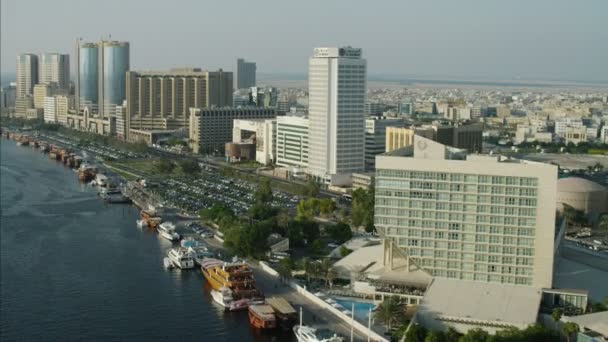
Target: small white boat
(223,297)
(167,263)
(167,230)
(140,223)
(309,334)
(181,257)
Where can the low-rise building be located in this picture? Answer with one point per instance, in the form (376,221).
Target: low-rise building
(292,141)
(261,132)
(211,128)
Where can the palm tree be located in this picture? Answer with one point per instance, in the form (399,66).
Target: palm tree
(569,329)
(603,224)
(285,271)
(324,269)
(307,266)
(331,276)
(390,311)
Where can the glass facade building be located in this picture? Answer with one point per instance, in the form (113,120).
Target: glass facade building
(115,65)
(88,75)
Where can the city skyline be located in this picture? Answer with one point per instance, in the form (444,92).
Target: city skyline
(464,41)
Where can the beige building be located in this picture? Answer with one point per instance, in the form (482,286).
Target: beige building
(162,100)
(63,104)
(27,74)
(41,91)
(54,68)
(576,135)
(471,217)
(398,137)
(211,128)
(22,104)
(582,194)
(260,131)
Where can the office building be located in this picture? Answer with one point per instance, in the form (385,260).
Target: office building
(27,74)
(375,138)
(50,109)
(374,108)
(292,141)
(399,137)
(468,137)
(54,68)
(63,105)
(245,74)
(101,75)
(41,91)
(161,100)
(406,107)
(470,217)
(8,95)
(211,128)
(260,132)
(266,97)
(22,105)
(87,75)
(337,92)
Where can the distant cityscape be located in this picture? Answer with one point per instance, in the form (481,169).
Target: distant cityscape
(461,198)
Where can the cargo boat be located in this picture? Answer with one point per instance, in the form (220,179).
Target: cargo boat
(285,314)
(150,218)
(262,316)
(86,173)
(237,276)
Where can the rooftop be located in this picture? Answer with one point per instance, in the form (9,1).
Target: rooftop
(597,321)
(482,303)
(577,184)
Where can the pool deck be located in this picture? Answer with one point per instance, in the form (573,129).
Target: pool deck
(323,318)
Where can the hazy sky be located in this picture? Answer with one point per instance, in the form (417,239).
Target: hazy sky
(527,39)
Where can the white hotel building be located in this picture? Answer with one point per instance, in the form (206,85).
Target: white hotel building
(337,92)
(479,218)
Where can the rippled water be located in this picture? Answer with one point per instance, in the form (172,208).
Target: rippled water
(75,269)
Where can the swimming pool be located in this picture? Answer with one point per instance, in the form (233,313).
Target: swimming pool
(361,308)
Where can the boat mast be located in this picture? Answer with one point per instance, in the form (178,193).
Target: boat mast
(300,317)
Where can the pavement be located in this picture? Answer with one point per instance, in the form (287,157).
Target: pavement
(312,313)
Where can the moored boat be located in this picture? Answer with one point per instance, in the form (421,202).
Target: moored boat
(262,317)
(237,276)
(180,257)
(223,297)
(285,313)
(167,231)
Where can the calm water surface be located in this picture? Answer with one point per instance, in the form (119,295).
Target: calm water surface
(74,269)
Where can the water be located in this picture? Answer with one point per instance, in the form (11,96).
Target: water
(74,269)
(361,308)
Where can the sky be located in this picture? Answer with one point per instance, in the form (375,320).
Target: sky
(440,39)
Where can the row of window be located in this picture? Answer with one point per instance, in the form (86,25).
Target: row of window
(403,202)
(457,177)
(443,206)
(446,186)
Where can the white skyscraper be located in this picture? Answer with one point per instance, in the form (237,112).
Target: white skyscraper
(27,74)
(54,67)
(337,88)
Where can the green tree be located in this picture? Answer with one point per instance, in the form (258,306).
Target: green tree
(285,269)
(189,167)
(603,224)
(556,314)
(344,251)
(260,211)
(569,329)
(415,333)
(308,267)
(363,208)
(216,213)
(327,206)
(317,247)
(282,221)
(309,230)
(164,165)
(340,232)
(311,189)
(475,335)
(391,312)
(435,336)
(248,240)
(307,209)
(263,193)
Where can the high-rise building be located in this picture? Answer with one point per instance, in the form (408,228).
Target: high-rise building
(63,104)
(50,109)
(263,96)
(292,141)
(41,91)
(27,74)
(470,217)
(101,75)
(399,137)
(113,66)
(87,76)
(337,92)
(375,138)
(245,74)
(161,100)
(8,95)
(54,68)
(211,128)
